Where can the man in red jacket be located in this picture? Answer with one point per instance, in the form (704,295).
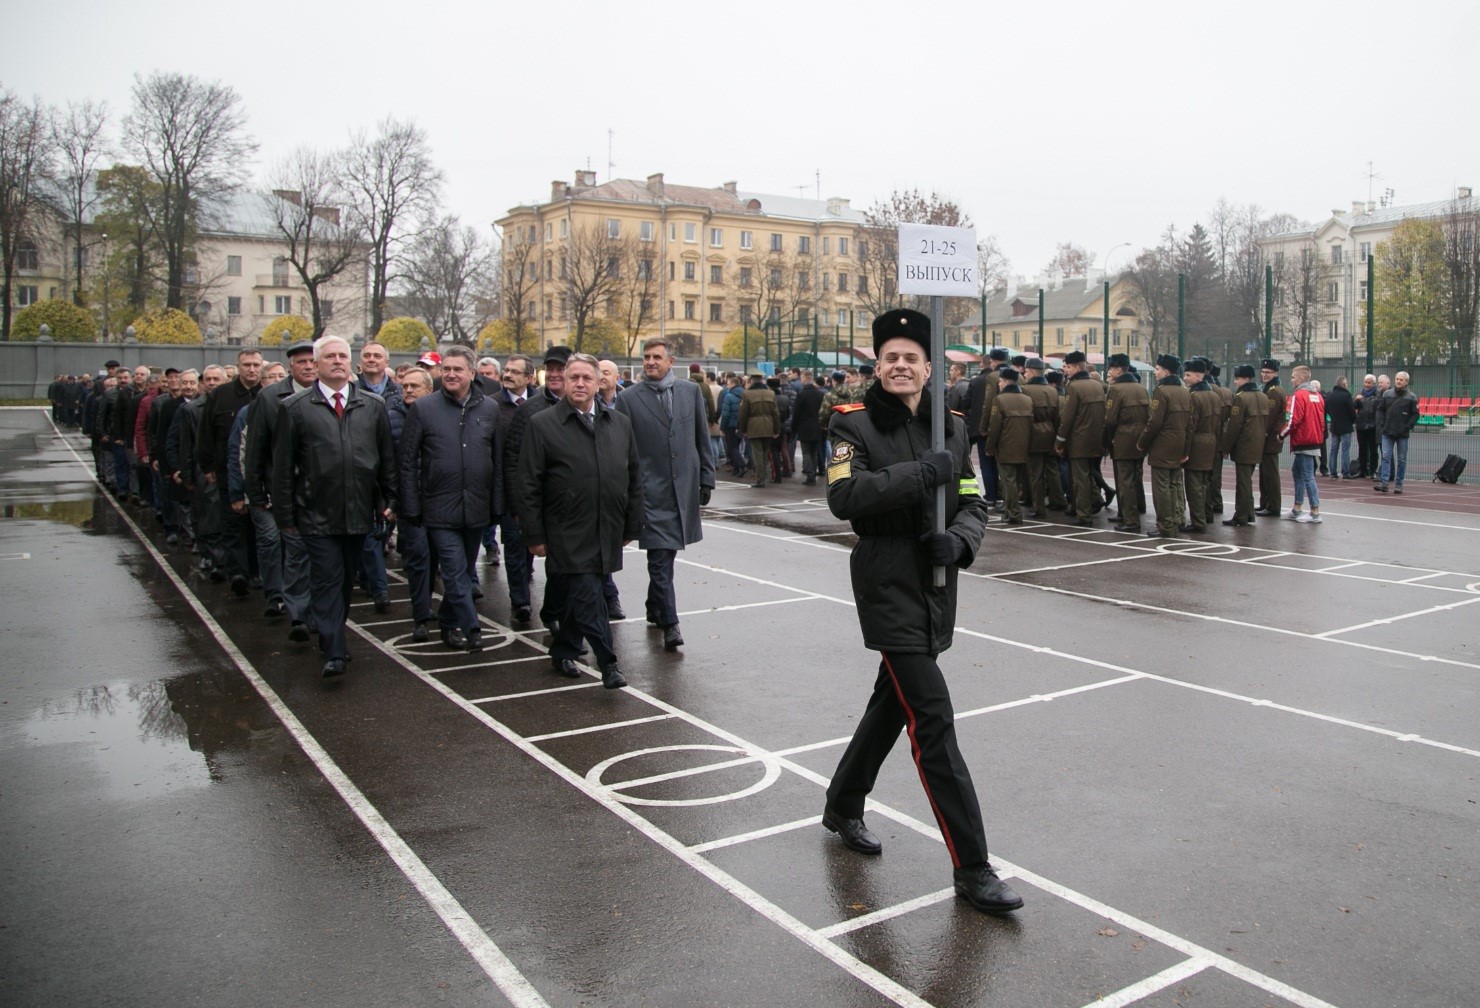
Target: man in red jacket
(1306,430)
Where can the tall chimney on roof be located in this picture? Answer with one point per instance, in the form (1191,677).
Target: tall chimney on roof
(585,178)
(655,184)
(730,187)
(558,189)
(1465,192)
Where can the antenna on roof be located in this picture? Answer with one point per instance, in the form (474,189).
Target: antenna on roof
(610,165)
(1387,197)
(818,173)
(801,190)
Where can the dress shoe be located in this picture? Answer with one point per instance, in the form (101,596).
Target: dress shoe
(299,632)
(1155,533)
(612,678)
(1266,513)
(1218,509)
(522,614)
(382,602)
(1084,522)
(1109,497)
(672,639)
(1235,522)
(615,612)
(1128,528)
(810,481)
(652,617)
(333,667)
(980,886)
(757,486)
(239,585)
(1012,521)
(454,638)
(422,633)
(854,834)
(474,639)
(276,608)
(566,667)
(1192,528)
(254,582)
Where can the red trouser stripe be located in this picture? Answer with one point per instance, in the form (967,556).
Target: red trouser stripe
(909,717)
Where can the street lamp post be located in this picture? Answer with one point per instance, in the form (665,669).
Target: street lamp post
(1105,320)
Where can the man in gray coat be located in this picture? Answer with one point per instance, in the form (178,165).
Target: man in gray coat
(671,425)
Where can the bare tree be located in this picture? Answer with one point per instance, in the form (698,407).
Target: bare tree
(775,290)
(878,260)
(190,136)
(394,186)
(519,269)
(1300,293)
(1153,280)
(1462,262)
(308,208)
(24,163)
(449,279)
(1070,260)
(634,302)
(78,138)
(591,272)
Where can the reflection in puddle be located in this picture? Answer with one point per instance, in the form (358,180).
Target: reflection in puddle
(132,731)
(80,512)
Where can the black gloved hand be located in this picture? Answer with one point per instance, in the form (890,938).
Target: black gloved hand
(941,548)
(937,468)
(704,494)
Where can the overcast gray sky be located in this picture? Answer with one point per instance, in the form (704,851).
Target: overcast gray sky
(1097,123)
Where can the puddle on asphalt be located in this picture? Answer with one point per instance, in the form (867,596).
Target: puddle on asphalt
(148,739)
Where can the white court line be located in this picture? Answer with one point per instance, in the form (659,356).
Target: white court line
(1403,521)
(1359,563)
(889,913)
(390,622)
(533,692)
(685,773)
(1174,974)
(597,728)
(473,938)
(15,556)
(719,609)
(476,665)
(1396,619)
(1421,577)
(760,834)
(1146,555)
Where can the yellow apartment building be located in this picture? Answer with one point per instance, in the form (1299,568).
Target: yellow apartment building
(1073,318)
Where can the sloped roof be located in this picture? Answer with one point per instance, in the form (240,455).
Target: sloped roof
(1380,217)
(633,191)
(1070,301)
(802,209)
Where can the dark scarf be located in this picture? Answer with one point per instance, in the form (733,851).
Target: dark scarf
(888,412)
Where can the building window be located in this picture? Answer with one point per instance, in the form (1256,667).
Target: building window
(1364,251)
(863,284)
(862,249)
(822,315)
(280,272)
(613,267)
(1279,259)
(1115,337)
(673,237)
(802,317)
(691,232)
(326,310)
(775,279)
(261,305)
(646,231)
(842,246)
(613,228)
(27,259)
(716,274)
(1362,290)
(716,311)
(233,265)
(1332,330)
(804,280)
(550,232)
(1336,255)
(804,244)
(564,229)
(773,317)
(644,269)
(775,243)
(1094,336)
(744,276)
(671,268)
(746,240)
(842,283)
(1058,335)
(670,309)
(689,271)
(1135,338)
(688,309)
(842,312)
(827,281)
(233,306)
(1279,330)
(550,269)
(27,294)
(1333,292)
(745,317)
(827,246)
(564,306)
(534,234)
(647,307)
(531,311)
(282,304)
(716,237)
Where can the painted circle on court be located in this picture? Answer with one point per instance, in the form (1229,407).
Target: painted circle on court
(771,764)
(1197,548)
(492,641)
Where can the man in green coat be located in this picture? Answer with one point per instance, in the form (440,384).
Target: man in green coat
(1243,441)
(1127,404)
(1269,462)
(1207,410)
(1081,430)
(760,422)
(1009,437)
(1045,488)
(1167,442)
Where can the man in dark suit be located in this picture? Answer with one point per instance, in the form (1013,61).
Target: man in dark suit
(670,423)
(333,476)
(579,497)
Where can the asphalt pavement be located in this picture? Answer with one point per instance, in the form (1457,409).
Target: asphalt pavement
(1237,769)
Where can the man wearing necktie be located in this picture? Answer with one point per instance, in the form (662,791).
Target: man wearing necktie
(333,476)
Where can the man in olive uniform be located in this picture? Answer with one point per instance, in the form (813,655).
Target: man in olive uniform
(1127,404)
(1243,441)
(1215,484)
(1045,488)
(1081,429)
(760,422)
(1269,464)
(883,477)
(1207,408)
(979,395)
(1166,442)
(1009,438)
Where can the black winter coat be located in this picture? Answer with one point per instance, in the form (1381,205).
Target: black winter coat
(579,490)
(449,461)
(804,422)
(1397,413)
(262,422)
(332,475)
(217,412)
(1341,410)
(874,482)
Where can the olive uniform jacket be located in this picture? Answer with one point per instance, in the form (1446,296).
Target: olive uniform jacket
(1273,443)
(1243,436)
(1225,397)
(1010,427)
(759,417)
(1082,417)
(875,483)
(1207,412)
(1167,438)
(1045,414)
(1127,404)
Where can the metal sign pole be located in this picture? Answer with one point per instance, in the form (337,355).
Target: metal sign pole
(938,410)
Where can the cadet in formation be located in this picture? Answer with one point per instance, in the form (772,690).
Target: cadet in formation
(1167,441)
(1009,438)
(1243,441)
(1127,405)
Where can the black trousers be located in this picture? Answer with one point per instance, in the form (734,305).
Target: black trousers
(910,694)
(238,538)
(1367,454)
(585,616)
(552,605)
(662,606)
(332,563)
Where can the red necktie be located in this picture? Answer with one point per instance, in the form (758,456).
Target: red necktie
(339,405)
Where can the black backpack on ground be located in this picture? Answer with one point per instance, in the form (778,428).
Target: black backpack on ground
(1450,471)
(1353,469)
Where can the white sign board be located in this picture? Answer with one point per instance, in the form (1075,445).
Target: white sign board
(937,260)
